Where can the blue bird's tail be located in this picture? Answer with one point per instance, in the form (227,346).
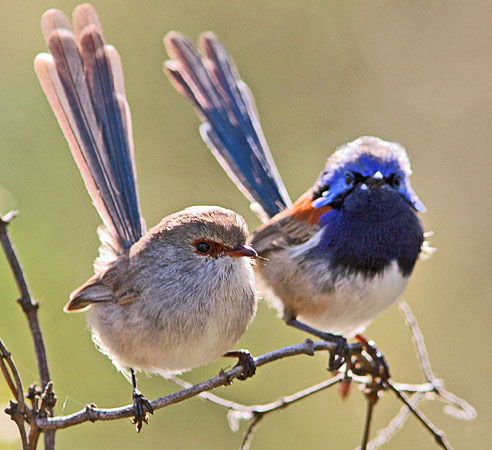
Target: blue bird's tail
(83,80)
(230,124)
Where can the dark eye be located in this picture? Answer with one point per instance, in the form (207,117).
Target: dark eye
(397,180)
(349,178)
(203,247)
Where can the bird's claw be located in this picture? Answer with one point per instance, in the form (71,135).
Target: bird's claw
(341,354)
(246,361)
(141,407)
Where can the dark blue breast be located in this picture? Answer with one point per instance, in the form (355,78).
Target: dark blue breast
(372,228)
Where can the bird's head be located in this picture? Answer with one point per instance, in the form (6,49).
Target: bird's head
(206,232)
(366,164)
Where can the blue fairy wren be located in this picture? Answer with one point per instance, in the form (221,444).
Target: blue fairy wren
(167,299)
(344,251)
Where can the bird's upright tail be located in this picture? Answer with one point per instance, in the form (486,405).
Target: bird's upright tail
(230,124)
(83,80)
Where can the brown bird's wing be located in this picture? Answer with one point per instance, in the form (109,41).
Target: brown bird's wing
(109,286)
(290,227)
(83,80)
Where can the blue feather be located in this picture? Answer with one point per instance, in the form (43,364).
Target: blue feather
(231,128)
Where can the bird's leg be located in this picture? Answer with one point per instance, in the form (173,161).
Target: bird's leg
(339,356)
(141,405)
(245,360)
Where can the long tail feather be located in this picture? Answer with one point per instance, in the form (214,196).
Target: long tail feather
(231,128)
(83,80)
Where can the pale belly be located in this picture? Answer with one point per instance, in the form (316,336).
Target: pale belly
(347,308)
(162,334)
(133,343)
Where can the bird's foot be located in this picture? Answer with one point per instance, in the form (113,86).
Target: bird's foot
(341,354)
(245,360)
(141,407)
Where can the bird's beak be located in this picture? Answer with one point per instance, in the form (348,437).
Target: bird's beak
(376,180)
(243,250)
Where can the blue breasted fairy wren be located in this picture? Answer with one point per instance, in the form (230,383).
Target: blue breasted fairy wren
(344,251)
(167,299)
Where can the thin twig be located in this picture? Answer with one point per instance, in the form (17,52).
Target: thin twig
(464,410)
(418,339)
(4,355)
(395,424)
(248,435)
(372,398)
(255,413)
(264,408)
(18,410)
(29,305)
(438,434)
(16,381)
(30,308)
(93,414)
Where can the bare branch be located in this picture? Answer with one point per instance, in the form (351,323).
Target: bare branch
(438,434)
(12,375)
(264,408)
(395,425)
(418,339)
(255,413)
(372,398)
(5,355)
(18,410)
(30,308)
(457,407)
(248,436)
(28,304)
(91,413)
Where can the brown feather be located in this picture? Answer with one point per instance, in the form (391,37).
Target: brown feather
(290,227)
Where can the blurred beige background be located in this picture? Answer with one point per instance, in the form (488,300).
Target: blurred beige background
(323,73)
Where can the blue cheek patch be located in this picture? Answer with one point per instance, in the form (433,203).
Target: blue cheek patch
(336,188)
(410,195)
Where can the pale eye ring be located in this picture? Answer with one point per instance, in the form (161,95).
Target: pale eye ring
(349,178)
(203,247)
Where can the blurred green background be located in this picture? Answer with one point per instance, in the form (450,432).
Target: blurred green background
(323,73)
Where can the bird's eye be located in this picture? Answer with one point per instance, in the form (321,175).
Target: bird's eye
(349,178)
(203,247)
(396,180)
